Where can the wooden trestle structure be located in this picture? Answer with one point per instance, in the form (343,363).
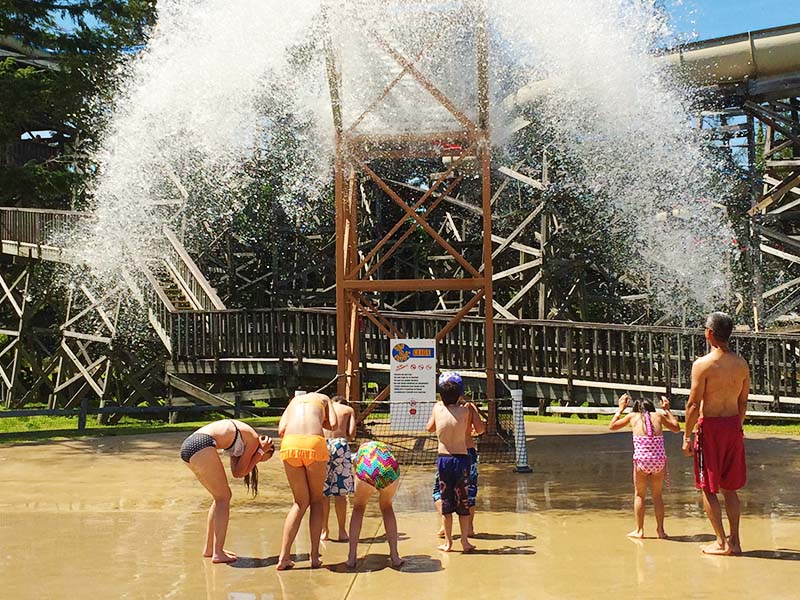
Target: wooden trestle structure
(492,277)
(358,279)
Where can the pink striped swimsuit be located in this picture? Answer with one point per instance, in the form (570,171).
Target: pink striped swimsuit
(649,455)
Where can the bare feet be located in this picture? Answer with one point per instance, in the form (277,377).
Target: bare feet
(316,563)
(225,557)
(467,547)
(209,552)
(662,535)
(351,563)
(735,546)
(285,565)
(343,537)
(636,533)
(446,547)
(397,562)
(440,534)
(717,549)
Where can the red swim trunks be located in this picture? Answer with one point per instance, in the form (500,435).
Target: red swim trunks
(719,462)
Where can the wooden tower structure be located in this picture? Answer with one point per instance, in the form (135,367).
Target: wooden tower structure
(371,129)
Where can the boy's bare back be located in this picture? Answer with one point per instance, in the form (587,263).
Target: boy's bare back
(451,424)
(345,422)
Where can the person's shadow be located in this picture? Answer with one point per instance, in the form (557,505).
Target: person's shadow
(504,551)
(520,536)
(416,563)
(381,539)
(698,537)
(248,562)
(779,554)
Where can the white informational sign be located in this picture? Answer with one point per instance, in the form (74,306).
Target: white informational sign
(412,383)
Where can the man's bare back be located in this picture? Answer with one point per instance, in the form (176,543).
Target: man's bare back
(345,422)
(721,384)
(451,424)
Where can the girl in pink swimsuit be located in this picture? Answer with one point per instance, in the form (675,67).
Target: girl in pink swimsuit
(649,455)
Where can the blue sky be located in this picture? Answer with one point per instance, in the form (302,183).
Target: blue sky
(716,18)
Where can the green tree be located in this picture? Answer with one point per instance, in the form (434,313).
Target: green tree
(82,43)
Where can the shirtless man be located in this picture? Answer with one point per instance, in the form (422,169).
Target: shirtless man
(720,386)
(451,422)
(339,482)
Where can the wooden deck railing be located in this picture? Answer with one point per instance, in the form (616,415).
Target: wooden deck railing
(658,357)
(188,275)
(37,225)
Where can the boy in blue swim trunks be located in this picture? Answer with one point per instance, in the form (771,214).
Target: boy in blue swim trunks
(477,427)
(451,422)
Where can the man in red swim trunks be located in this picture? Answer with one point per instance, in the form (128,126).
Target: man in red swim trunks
(720,386)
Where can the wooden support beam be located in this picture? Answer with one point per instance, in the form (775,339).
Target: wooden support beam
(516,245)
(522,178)
(409,285)
(525,289)
(777,236)
(456,182)
(502,310)
(465,310)
(449,199)
(519,229)
(425,83)
(420,221)
(781,288)
(518,269)
(776,193)
(784,255)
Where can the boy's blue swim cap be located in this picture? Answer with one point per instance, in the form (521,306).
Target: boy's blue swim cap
(452,377)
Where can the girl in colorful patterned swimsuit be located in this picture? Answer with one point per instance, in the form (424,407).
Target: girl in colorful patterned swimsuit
(376,470)
(649,454)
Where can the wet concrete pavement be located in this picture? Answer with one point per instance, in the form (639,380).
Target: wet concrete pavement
(123,518)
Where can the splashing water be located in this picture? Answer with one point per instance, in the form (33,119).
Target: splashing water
(191,113)
(614,111)
(187,117)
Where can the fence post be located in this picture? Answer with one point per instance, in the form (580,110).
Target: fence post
(776,378)
(570,359)
(82,414)
(520,445)
(237,405)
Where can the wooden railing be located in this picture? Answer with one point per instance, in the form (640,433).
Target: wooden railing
(657,357)
(38,226)
(188,275)
(566,352)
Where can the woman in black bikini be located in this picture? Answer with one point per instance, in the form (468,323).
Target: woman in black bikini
(246,449)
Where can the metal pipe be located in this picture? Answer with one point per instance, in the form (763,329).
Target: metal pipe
(762,54)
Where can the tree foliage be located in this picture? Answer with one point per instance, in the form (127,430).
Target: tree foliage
(86,40)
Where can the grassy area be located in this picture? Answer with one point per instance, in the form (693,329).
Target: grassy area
(24,429)
(603,421)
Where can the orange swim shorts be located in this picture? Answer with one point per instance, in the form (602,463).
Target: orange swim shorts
(302,450)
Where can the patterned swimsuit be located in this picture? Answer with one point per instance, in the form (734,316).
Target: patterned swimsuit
(649,455)
(376,465)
